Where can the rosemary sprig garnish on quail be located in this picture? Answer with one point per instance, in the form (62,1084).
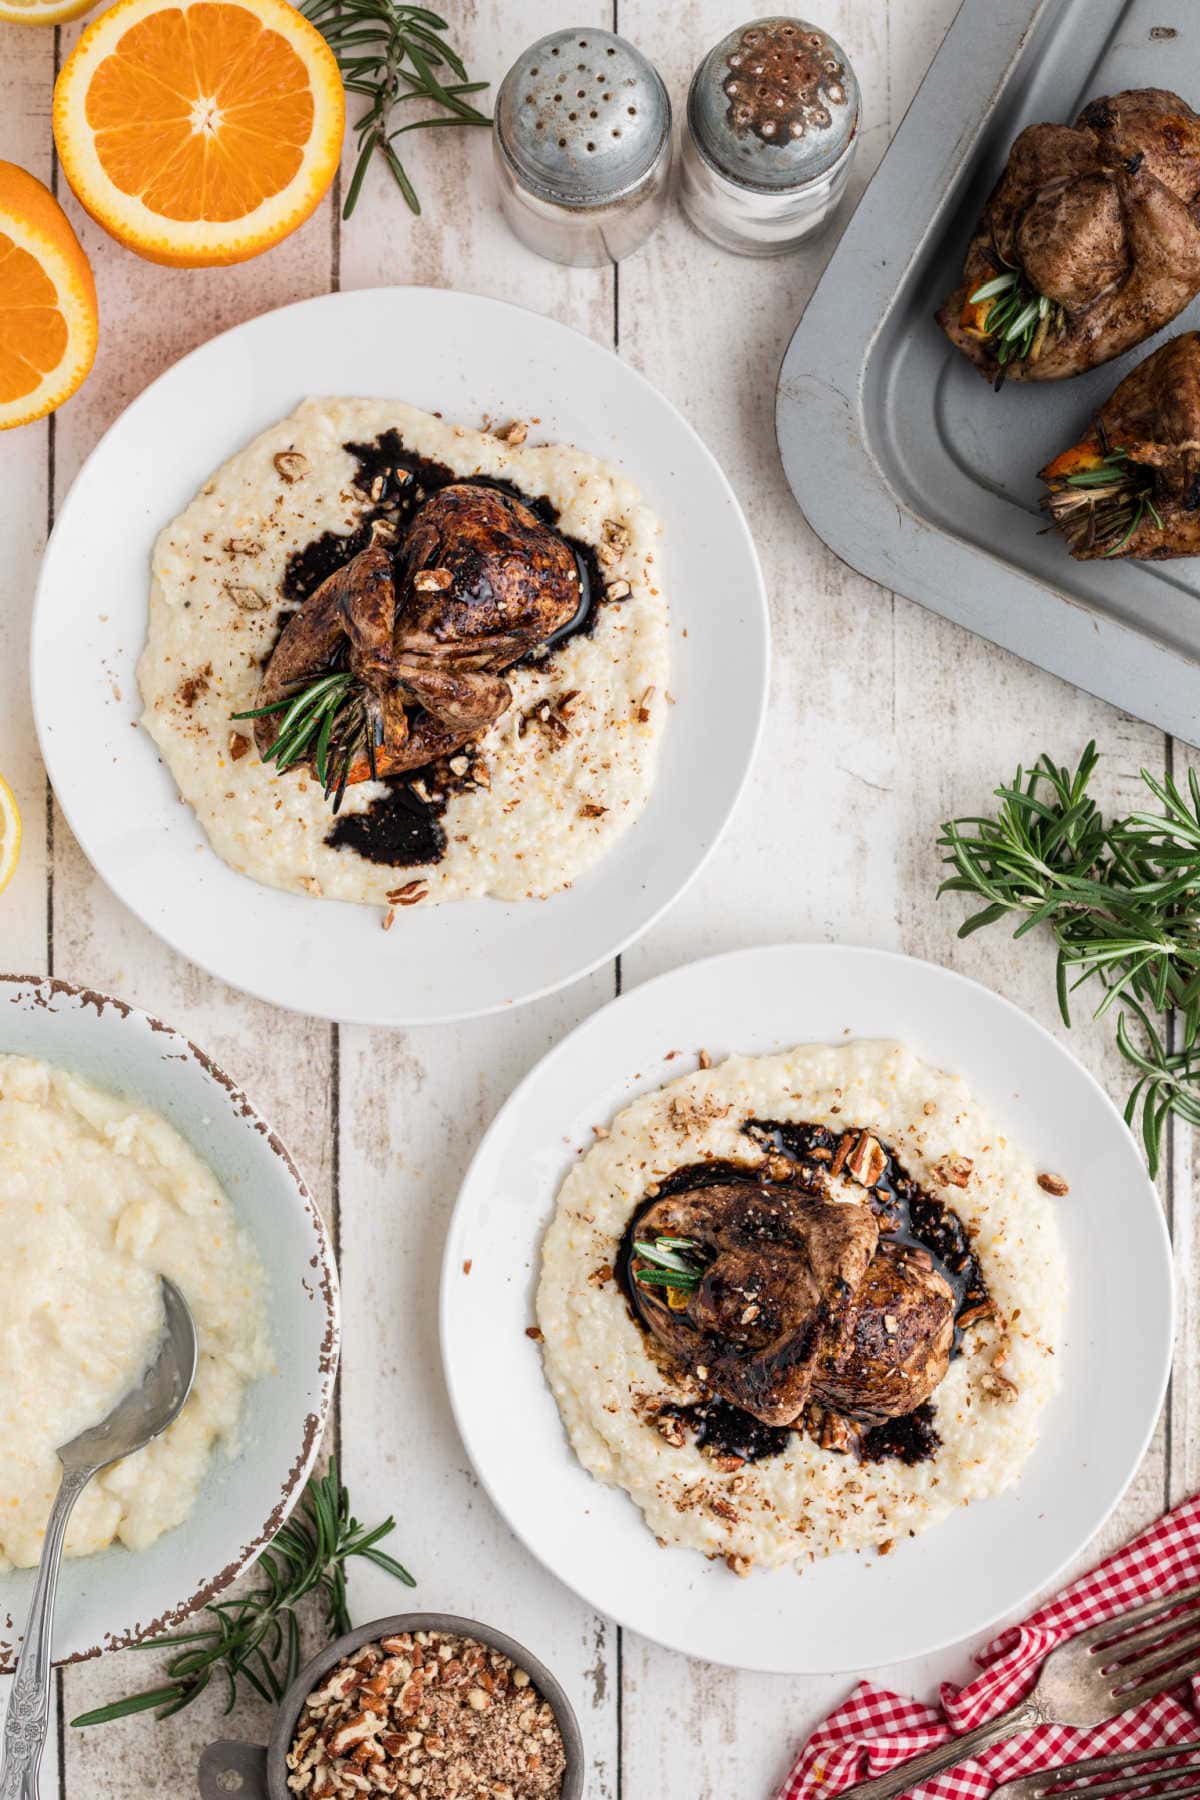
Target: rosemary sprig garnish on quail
(677,1265)
(330,719)
(1100,505)
(1122,899)
(255,1637)
(392,54)
(1019,319)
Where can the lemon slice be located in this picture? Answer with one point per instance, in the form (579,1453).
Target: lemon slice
(43,12)
(10,833)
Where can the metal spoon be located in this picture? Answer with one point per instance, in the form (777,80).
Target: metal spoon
(144,1413)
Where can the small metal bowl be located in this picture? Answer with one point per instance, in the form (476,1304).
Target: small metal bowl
(255,1773)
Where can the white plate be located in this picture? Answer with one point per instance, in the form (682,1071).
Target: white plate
(117,1596)
(847,1612)
(464,356)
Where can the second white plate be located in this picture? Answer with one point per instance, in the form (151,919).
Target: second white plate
(848,1612)
(465,356)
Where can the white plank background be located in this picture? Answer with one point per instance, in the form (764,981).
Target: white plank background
(884,719)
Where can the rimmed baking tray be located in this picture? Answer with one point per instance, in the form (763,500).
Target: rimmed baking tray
(901,456)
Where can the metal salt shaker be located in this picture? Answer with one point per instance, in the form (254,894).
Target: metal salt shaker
(582,147)
(772,128)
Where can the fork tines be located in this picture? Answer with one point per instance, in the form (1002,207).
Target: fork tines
(1151,1648)
(1130,1773)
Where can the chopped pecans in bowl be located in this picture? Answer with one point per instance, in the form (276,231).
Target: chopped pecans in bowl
(430,1713)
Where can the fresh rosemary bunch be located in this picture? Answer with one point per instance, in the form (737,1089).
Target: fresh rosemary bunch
(331,719)
(1101,508)
(1122,899)
(677,1264)
(392,54)
(256,1636)
(1018,318)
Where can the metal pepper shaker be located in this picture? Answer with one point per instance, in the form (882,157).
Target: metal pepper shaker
(582,147)
(772,129)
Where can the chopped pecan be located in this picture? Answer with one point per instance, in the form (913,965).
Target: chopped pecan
(866,1160)
(998,1387)
(972,1314)
(248,598)
(955,1171)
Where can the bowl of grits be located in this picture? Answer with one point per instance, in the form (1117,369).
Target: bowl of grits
(126,1154)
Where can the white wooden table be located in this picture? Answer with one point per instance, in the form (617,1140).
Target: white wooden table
(884,721)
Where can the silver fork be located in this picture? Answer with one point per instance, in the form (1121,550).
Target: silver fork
(1128,1769)
(1103,1671)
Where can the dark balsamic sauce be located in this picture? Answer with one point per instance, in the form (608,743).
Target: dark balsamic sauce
(907,1216)
(725,1430)
(306,569)
(910,1439)
(401,830)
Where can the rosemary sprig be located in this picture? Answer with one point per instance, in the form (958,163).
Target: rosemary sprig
(256,1637)
(392,54)
(1019,318)
(1122,899)
(1101,508)
(677,1264)
(330,719)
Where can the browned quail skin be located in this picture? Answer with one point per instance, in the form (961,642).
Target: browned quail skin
(1102,219)
(896,1347)
(1148,434)
(478,582)
(772,1301)
(800,1300)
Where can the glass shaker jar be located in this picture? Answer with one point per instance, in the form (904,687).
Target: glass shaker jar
(582,147)
(771,133)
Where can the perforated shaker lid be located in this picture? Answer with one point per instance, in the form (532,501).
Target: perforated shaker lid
(775,104)
(582,117)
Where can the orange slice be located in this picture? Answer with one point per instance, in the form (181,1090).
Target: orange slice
(48,318)
(44,12)
(201,132)
(1075,461)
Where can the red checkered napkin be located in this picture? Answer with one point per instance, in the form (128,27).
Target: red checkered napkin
(873,1731)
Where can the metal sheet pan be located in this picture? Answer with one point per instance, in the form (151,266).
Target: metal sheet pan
(901,456)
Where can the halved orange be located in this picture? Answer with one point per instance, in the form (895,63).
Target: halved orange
(200,132)
(48,320)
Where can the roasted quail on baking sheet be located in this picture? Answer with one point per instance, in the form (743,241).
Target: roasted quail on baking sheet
(1131,486)
(1088,244)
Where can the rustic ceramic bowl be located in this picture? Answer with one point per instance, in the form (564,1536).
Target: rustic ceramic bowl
(114,1598)
(256,1773)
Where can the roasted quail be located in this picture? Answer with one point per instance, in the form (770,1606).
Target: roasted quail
(1089,242)
(477,583)
(896,1342)
(798,1300)
(1131,485)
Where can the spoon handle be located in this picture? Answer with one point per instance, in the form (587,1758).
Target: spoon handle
(28,1715)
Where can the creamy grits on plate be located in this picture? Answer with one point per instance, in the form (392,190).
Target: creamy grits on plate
(98,1198)
(803,1303)
(491,613)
